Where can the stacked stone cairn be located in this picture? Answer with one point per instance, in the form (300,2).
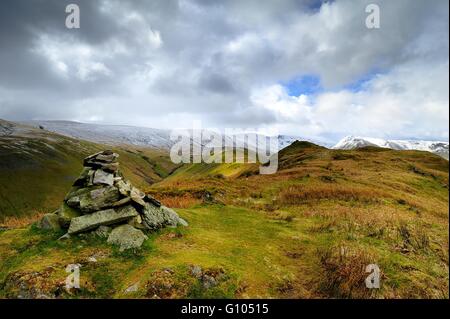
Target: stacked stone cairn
(103,202)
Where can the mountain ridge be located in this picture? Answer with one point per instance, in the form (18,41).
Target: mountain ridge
(353,142)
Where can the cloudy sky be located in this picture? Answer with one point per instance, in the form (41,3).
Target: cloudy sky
(307,68)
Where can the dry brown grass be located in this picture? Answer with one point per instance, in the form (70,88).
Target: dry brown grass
(299,194)
(343,272)
(21,221)
(183,201)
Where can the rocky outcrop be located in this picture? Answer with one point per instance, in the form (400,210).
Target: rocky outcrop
(103,202)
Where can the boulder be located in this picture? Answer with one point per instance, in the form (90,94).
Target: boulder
(65,214)
(172,217)
(158,217)
(49,222)
(104,217)
(126,237)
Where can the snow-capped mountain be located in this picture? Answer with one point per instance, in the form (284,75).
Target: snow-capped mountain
(132,135)
(353,142)
(108,134)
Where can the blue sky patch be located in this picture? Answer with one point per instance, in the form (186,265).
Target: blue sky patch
(361,83)
(306,84)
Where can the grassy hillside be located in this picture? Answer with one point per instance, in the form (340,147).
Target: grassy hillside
(37,168)
(308,231)
(325,216)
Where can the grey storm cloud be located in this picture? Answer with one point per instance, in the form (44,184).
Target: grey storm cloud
(154,63)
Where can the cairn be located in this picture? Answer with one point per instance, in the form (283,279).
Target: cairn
(103,202)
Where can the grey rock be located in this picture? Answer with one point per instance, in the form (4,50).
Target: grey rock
(104,217)
(137,196)
(151,200)
(133,288)
(106,158)
(121,202)
(172,217)
(158,217)
(136,222)
(102,231)
(64,237)
(98,199)
(65,214)
(123,187)
(82,180)
(208,281)
(92,259)
(90,157)
(112,167)
(196,271)
(49,222)
(126,237)
(103,178)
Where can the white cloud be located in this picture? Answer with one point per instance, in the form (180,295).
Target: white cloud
(172,60)
(410,101)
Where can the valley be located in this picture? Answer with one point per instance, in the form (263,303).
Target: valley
(307,231)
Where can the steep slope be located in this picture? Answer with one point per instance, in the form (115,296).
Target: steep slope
(352,142)
(37,166)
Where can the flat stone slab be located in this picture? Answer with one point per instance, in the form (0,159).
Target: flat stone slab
(104,217)
(103,178)
(98,199)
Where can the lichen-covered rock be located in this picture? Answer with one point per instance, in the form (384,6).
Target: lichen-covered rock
(104,217)
(137,196)
(172,218)
(101,196)
(126,237)
(49,222)
(65,214)
(158,217)
(136,222)
(82,180)
(123,187)
(98,199)
(102,231)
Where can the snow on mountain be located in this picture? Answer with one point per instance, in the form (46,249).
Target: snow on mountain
(132,135)
(160,138)
(109,134)
(352,142)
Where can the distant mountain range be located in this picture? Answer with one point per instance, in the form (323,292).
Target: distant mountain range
(160,138)
(353,142)
(123,134)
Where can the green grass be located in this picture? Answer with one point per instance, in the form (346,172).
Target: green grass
(306,232)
